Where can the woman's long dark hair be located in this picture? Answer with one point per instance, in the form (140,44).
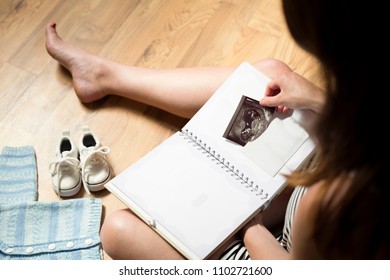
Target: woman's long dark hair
(339,34)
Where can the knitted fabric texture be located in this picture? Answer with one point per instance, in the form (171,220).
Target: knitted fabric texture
(66,230)
(18,175)
(29,229)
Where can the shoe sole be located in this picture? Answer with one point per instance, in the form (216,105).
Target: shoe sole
(72,191)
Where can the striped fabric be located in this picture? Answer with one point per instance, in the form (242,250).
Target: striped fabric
(18,175)
(66,230)
(237,250)
(290,213)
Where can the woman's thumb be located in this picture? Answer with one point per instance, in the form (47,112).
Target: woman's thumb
(268,101)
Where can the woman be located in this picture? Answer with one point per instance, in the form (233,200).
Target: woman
(341,214)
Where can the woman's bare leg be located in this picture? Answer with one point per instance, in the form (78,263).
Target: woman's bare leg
(181,91)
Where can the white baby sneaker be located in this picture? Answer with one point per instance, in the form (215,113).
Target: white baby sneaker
(65,171)
(95,169)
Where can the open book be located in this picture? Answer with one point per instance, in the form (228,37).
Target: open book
(199,187)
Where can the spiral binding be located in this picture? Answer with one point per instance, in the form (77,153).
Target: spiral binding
(225,164)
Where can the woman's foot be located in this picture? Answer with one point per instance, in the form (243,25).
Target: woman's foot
(86,69)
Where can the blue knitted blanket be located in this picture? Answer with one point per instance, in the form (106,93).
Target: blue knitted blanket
(29,229)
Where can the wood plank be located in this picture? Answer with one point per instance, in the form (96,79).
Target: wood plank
(94,26)
(158,34)
(8,6)
(238,38)
(14,83)
(17,26)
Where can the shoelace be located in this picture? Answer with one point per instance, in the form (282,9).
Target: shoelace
(55,168)
(92,157)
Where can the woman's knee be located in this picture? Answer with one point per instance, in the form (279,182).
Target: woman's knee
(116,231)
(272,67)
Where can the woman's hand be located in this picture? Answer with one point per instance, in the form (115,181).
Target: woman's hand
(292,91)
(260,243)
(252,224)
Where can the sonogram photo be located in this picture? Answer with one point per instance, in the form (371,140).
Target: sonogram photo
(249,121)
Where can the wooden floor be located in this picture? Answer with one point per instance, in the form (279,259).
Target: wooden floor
(37,98)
